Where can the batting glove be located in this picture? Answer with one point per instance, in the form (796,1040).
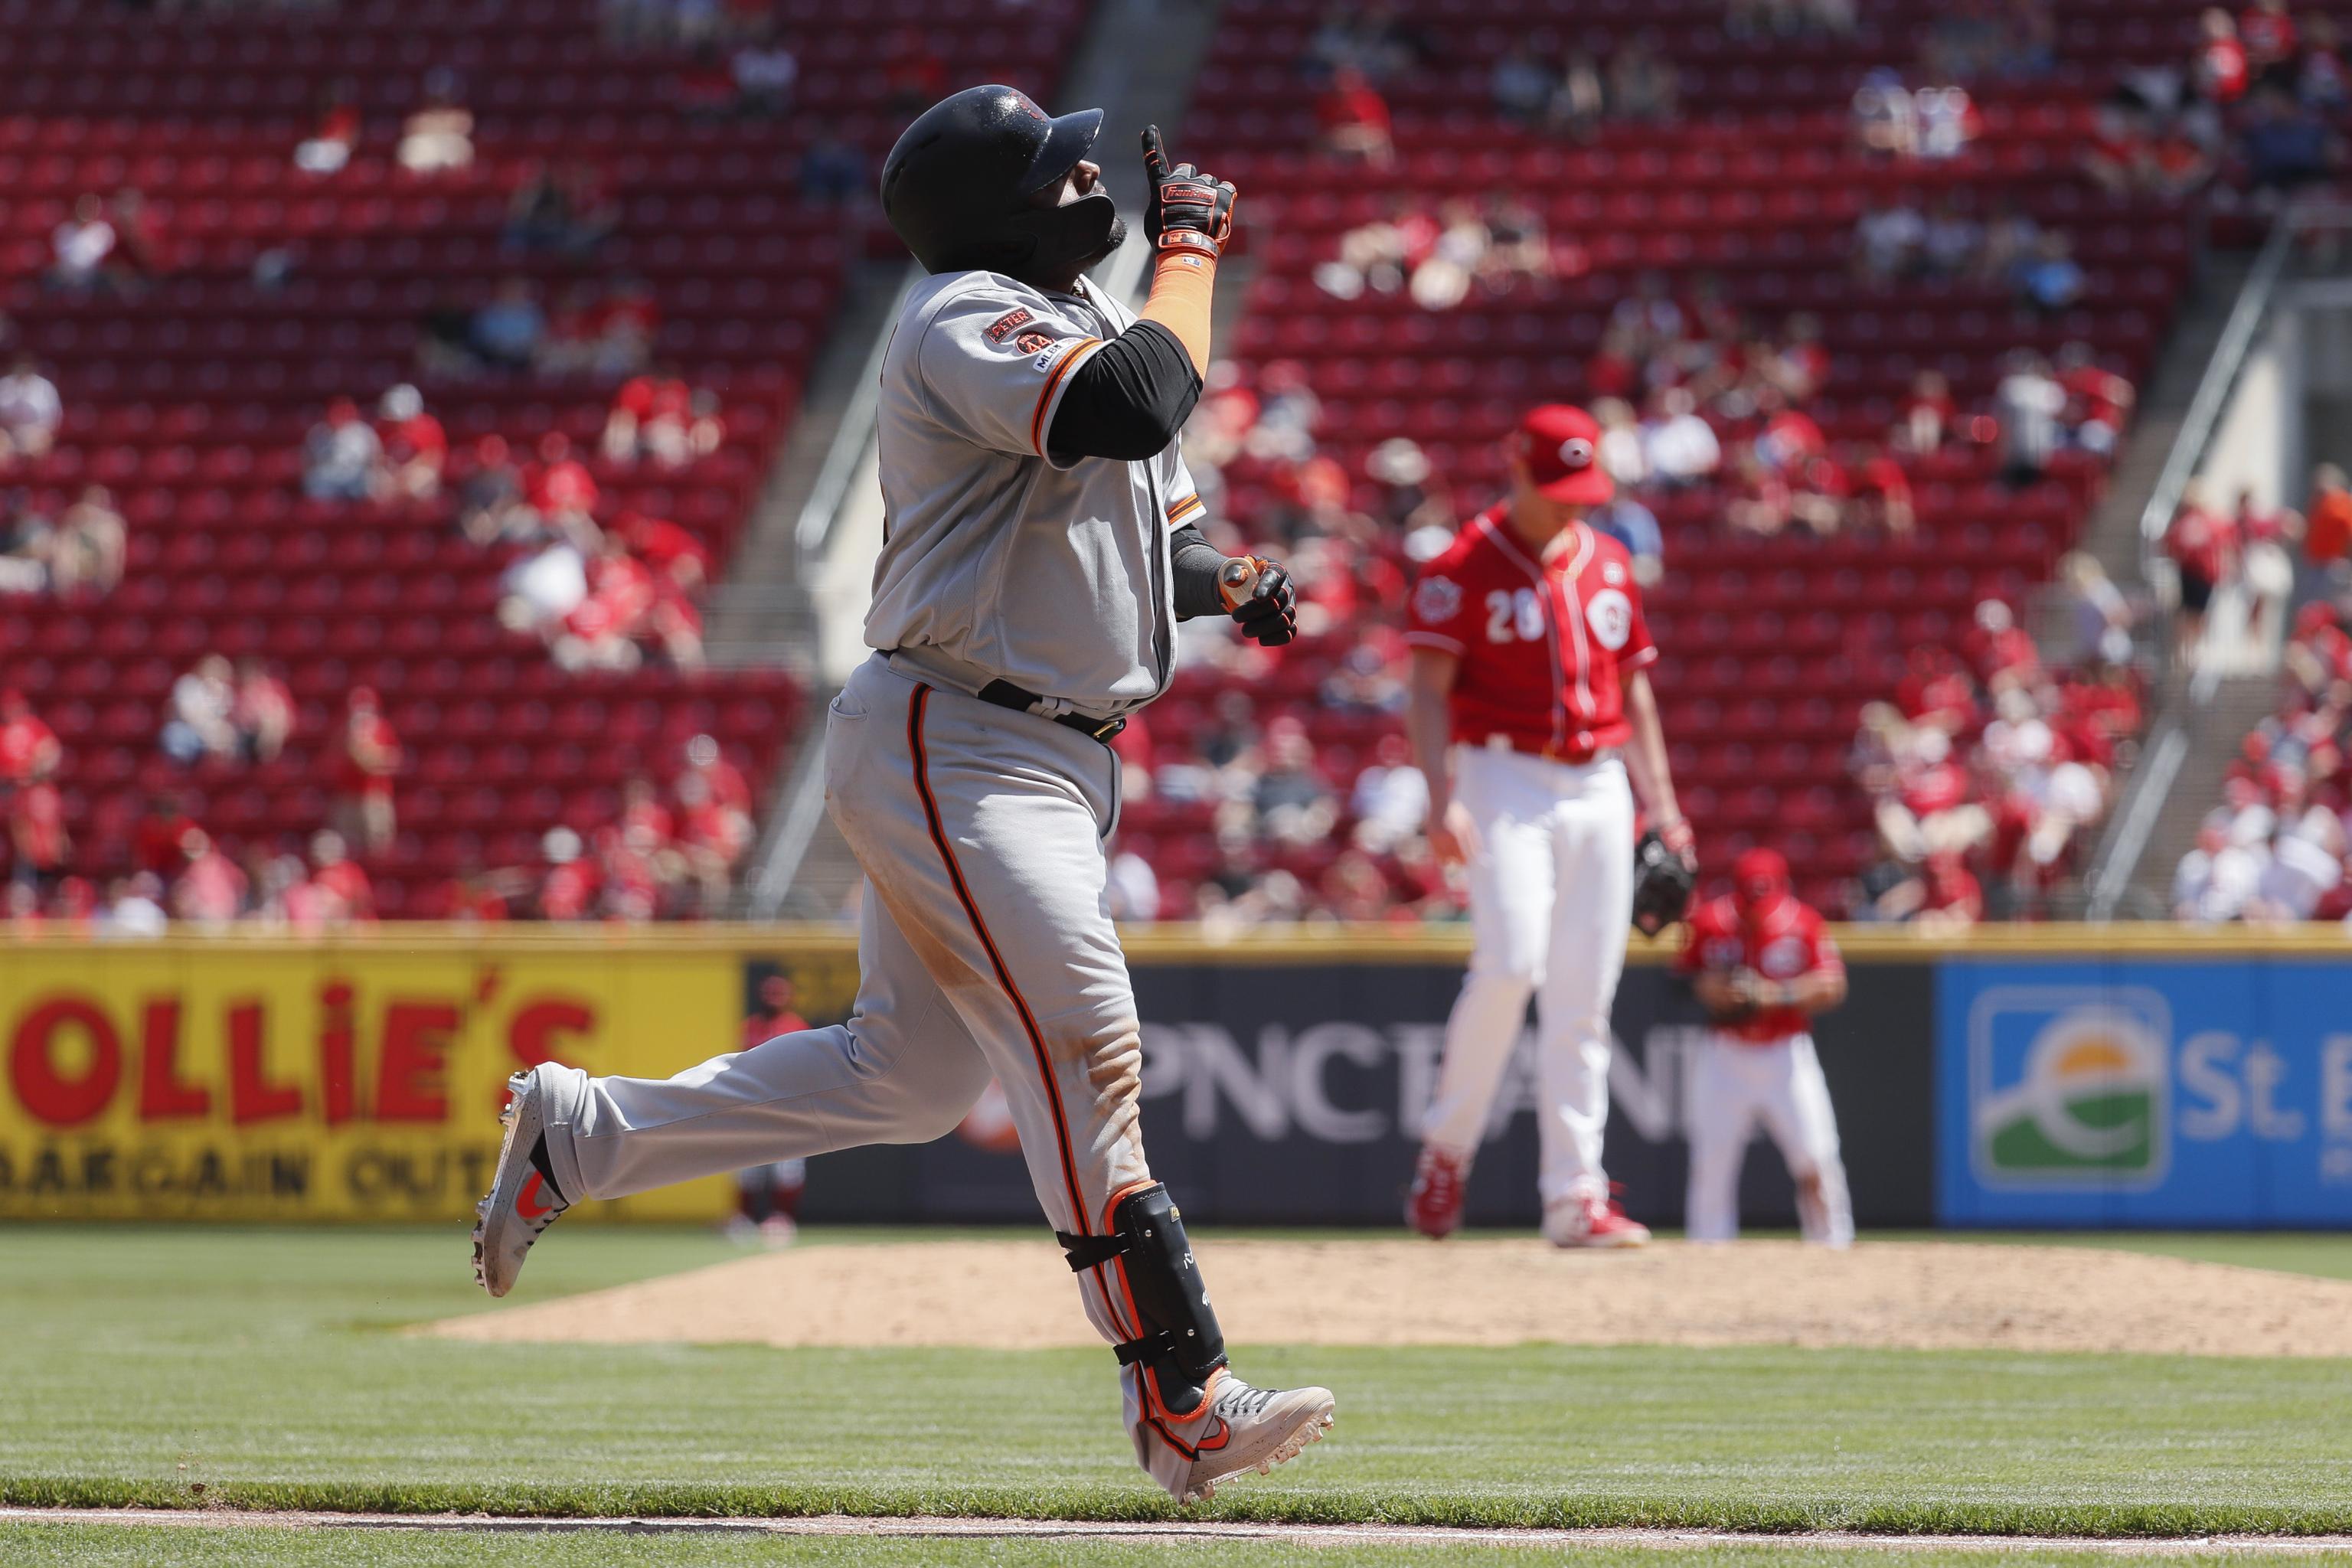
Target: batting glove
(1259,598)
(1188,210)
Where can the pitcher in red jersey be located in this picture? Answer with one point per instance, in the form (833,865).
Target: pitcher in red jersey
(1530,707)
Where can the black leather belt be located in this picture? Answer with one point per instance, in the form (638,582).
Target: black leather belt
(1004,694)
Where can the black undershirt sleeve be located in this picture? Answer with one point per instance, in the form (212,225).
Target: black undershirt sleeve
(1128,400)
(1195,562)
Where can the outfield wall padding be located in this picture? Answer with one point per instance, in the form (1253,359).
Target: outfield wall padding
(2026,1077)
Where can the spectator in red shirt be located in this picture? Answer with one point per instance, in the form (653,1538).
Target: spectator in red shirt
(600,631)
(472,897)
(775,1014)
(713,836)
(652,416)
(1928,413)
(155,841)
(2268,34)
(667,549)
(559,488)
(372,758)
(632,883)
(329,147)
(2001,652)
(2220,69)
(415,447)
(1881,491)
(36,833)
(1355,119)
(640,808)
(2098,401)
(1953,898)
(2264,536)
(2200,545)
(210,891)
(262,712)
(726,781)
(569,888)
(344,895)
(28,748)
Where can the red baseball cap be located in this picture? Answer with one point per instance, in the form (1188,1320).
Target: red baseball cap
(1759,876)
(1560,444)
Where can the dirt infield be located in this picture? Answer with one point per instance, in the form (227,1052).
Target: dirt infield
(1678,1540)
(1892,1295)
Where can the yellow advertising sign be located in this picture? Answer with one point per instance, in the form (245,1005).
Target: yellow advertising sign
(269,1082)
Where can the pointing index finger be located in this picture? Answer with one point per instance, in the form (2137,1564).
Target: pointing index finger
(1155,153)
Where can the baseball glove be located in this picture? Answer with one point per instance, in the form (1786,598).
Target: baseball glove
(1664,880)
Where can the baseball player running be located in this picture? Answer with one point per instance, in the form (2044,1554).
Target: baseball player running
(1762,965)
(1041,542)
(1529,705)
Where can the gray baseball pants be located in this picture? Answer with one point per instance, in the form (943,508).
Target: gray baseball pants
(985,947)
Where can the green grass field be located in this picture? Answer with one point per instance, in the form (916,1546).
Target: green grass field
(139,1364)
(123,1546)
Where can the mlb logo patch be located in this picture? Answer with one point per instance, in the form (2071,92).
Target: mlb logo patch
(2070,1088)
(1004,325)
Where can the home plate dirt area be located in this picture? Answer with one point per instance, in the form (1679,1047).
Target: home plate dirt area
(1016,1295)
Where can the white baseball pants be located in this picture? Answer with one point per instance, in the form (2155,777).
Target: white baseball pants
(1551,896)
(1734,1084)
(985,947)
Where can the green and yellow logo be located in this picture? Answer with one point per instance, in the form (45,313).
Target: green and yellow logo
(2070,1088)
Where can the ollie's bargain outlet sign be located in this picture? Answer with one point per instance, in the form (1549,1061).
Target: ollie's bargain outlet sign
(228,1082)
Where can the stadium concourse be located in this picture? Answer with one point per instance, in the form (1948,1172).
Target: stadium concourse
(603,263)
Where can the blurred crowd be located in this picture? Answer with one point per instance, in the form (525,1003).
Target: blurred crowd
(2275,849)
(1991,772)
(599,593)
(2256,112)
(671,853)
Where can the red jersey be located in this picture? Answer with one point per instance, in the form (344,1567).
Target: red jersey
(1542,645)
(419,437)
(347,890)
(26,745)
(2268,35)
(649,397)
(371,755)
(762,1028)
(2202,543)
(1787,939)
(37,821)
(2221,69)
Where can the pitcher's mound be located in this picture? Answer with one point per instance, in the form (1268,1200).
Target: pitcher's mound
(1894,1294)
(999,1295)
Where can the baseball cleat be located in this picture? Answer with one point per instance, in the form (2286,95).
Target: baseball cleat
(522,1200)
(1237,1430)
(1434,1205)
(1592,1221)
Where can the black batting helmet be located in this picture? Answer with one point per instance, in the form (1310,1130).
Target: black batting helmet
(957,184)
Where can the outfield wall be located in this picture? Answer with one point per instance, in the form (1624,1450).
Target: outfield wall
(2048,1076)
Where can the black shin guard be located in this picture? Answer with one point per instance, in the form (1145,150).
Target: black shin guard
(1178,1339)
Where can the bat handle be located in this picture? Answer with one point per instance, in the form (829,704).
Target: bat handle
(1237,579)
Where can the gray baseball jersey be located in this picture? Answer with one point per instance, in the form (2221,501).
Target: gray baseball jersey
(998,561)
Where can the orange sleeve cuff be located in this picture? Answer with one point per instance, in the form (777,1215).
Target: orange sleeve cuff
(1183,289)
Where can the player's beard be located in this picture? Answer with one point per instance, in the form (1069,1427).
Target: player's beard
(1111,242)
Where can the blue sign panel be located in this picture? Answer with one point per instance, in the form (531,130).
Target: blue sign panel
(2144,1091)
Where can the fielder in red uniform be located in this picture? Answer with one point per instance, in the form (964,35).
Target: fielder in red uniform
(1529,709)
(1762,965)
